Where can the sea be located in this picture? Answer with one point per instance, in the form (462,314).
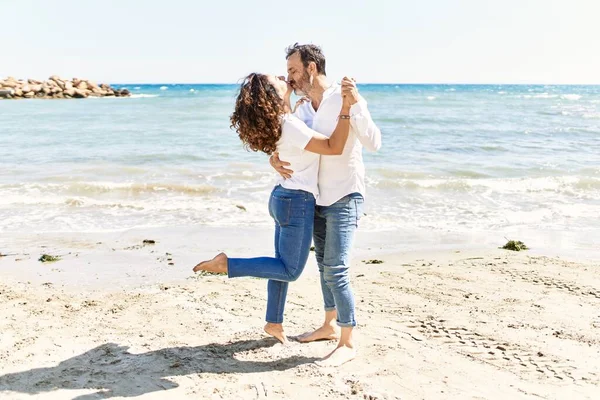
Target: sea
(473,163)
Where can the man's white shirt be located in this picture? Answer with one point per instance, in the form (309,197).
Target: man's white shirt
(341,175)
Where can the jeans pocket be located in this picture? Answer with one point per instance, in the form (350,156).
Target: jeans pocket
(280,209)
(358,209)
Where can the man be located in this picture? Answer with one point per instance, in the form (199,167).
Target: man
(341,189)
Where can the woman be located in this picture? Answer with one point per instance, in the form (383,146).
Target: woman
(263,120)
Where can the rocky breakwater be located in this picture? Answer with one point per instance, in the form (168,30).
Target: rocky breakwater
(56,88)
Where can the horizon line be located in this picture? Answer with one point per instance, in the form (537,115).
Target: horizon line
(372,83)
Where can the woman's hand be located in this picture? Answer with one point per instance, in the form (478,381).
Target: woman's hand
(289,90)
(349,91)
(299,102)
(345,103)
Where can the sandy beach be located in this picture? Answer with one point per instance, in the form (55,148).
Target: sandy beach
(115,318)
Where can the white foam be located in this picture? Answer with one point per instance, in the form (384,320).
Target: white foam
(143,96)
(591,116)
(163,88)
(430,97)
(571,97)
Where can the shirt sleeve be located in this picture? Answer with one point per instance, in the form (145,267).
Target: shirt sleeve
(367,132)
(296,132)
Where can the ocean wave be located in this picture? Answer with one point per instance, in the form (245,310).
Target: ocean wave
(143,96)
(571,96)
(164,88)
(103,188)
(569,185)
(591,115)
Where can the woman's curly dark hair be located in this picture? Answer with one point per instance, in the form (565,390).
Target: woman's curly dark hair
(257,114)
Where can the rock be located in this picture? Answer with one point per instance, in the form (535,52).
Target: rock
(61,84)
(55,88)
(5,93)
(9,84)
(80,93)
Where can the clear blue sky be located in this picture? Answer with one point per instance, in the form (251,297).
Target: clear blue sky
(419,41)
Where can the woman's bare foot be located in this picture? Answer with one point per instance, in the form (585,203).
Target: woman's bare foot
(217,265)
(276,330)
(341,355)
(325,332)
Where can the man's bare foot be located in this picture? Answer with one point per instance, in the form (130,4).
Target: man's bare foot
(217,265)
(276,330)
(325,332)
(341,355)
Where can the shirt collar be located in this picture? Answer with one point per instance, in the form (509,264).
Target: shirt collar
(333,88)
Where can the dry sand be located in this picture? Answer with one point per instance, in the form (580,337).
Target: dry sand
(456,324)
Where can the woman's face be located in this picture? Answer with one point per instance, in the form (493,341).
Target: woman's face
(280,85)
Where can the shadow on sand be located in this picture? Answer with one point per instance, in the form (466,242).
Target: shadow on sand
(113,371)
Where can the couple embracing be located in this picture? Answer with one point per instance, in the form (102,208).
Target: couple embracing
(316,147)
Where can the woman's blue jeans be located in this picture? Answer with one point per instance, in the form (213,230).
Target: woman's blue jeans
(293,212)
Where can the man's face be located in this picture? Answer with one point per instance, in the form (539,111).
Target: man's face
(298,75)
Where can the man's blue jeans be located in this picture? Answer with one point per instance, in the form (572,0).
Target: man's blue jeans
(293,212)
(334,230)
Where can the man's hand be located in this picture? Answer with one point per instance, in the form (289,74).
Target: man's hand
(279,166)
(349,90)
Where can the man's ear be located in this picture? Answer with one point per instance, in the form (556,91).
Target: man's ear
(312,68)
